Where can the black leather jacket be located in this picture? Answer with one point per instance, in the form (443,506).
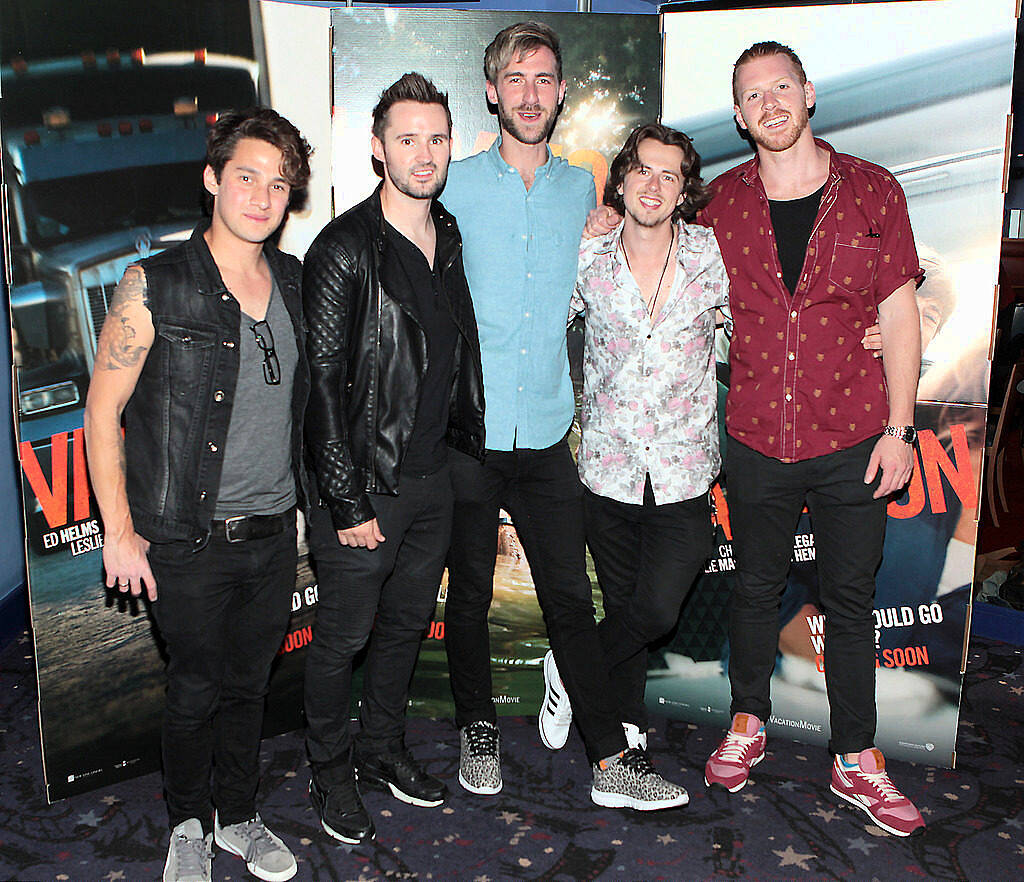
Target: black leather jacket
(177,419)
(367,357)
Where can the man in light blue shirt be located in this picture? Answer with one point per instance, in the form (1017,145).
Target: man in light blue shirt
(520,255)
(521,211)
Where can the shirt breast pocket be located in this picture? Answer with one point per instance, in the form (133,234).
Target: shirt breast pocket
(189,355)
(854,263)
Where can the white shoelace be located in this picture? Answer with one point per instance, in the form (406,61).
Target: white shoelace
(882,783)
(734,746)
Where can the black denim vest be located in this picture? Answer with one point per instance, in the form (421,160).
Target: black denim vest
(176,421)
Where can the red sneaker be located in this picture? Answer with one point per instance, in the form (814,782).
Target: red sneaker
(867,786)
(741,749)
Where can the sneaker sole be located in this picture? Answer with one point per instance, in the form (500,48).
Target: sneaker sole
(334,834)
(348,840)
(856,803)
(485,790)
(620,800)
(555,740)
(739,786)
(397,792)
(266,875)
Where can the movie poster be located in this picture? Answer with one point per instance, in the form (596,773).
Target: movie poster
(102,163)
(611,66)
(934,114)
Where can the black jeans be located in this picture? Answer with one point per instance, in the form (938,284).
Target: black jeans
(391,592)
(766,497)
(223,612)
(647,558)
(541,490)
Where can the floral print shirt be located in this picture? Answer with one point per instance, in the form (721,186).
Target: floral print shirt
(649,389)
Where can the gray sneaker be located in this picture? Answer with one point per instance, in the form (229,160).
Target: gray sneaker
(189,856)
(479,762)
(265,855)
(629,780)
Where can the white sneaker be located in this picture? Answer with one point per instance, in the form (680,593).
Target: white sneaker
(634,737)
(189,855)
(265,855)
(556,713)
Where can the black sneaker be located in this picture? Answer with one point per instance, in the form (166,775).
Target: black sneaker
(341,812)
(397,772)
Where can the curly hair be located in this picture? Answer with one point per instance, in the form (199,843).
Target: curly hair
(696,194)
(263,124)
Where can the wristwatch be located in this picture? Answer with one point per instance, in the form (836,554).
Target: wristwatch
(904,433)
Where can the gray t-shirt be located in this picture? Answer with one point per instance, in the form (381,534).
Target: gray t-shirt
(257,476)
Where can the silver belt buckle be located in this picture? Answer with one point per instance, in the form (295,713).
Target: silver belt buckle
(229,524)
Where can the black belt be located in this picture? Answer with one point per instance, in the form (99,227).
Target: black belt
(244,527)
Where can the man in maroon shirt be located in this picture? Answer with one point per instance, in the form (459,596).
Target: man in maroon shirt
(818,248)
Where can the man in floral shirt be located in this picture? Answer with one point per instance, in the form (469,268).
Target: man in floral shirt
(649,290)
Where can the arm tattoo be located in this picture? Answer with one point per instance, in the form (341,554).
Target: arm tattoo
(117,345)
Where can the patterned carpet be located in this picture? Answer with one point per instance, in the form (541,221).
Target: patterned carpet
(784,825)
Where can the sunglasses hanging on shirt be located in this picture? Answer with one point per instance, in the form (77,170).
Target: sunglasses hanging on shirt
(265,341)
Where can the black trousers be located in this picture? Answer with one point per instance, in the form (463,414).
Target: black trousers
(647,558)
(766,497)
(385,596)
(541,490)
(223,612)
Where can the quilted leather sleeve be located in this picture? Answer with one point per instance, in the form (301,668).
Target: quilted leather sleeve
(330,283)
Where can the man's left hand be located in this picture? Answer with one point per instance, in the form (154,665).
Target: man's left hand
(872,341)
(896,460)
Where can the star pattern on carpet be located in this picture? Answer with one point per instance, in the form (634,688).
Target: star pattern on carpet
(791,858)
(860,844)
(89,819)
(666,838)
(827,815)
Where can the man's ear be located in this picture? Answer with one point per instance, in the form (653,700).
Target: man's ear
(739,117)
(492,93)
(377,146)
(809,95)
(210,181)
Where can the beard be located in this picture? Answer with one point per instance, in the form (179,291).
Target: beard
(407,184)
(779,141)
(539,135)
(648,219)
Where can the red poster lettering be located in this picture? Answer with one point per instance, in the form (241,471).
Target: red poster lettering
(53,499)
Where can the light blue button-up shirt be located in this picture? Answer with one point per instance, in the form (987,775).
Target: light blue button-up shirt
(520,250)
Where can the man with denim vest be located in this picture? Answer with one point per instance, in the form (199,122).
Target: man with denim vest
(202,353)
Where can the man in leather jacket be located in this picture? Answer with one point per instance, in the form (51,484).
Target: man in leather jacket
(202,351)
(396,381)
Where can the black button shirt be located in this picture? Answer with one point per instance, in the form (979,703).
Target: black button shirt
(405,272)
